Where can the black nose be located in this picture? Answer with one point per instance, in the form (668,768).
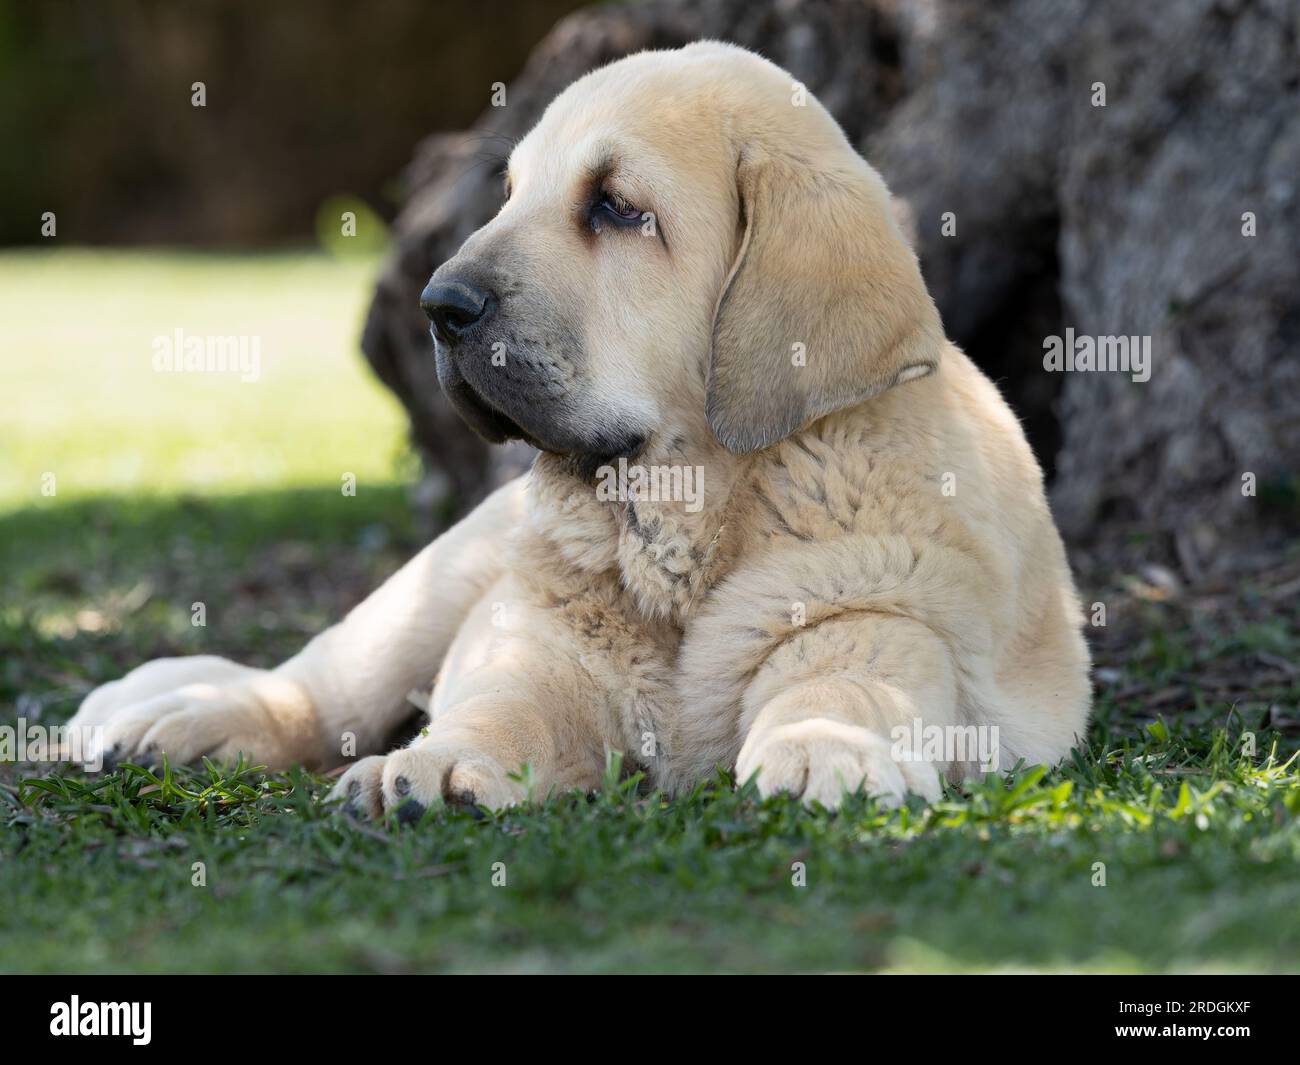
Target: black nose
(453,306)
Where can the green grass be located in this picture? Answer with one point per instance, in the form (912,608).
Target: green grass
(81,398)
(1200,841)
(1199,848)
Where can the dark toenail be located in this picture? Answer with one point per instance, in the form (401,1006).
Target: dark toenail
(409,811)
(349,809)
(402,786)
(111,757)
(467,801)
(354,789)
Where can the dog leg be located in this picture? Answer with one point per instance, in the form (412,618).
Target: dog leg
(835,710)
(340,696)
(531,699)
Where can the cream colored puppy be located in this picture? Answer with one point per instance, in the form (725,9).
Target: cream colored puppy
(831,545)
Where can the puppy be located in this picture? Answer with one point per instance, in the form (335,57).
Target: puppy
(778,522)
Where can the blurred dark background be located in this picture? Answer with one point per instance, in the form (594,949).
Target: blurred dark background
(306,99)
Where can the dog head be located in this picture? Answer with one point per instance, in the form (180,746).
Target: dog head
(688,245)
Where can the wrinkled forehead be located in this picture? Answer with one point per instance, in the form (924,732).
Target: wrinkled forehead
(604,154)
(645,126)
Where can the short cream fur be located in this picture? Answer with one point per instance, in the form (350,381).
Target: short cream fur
(874,546)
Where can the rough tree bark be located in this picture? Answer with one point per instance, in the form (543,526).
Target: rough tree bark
(1126,219)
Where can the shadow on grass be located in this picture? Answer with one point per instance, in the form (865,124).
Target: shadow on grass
(91,587)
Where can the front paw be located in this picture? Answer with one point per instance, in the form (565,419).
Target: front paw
(820,760)
(429,772)
(187,709)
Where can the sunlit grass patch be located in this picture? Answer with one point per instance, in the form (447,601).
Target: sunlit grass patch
(83,402)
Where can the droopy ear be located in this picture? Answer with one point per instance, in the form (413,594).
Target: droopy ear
(824,306)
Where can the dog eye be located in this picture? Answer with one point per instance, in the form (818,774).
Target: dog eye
(613,207)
